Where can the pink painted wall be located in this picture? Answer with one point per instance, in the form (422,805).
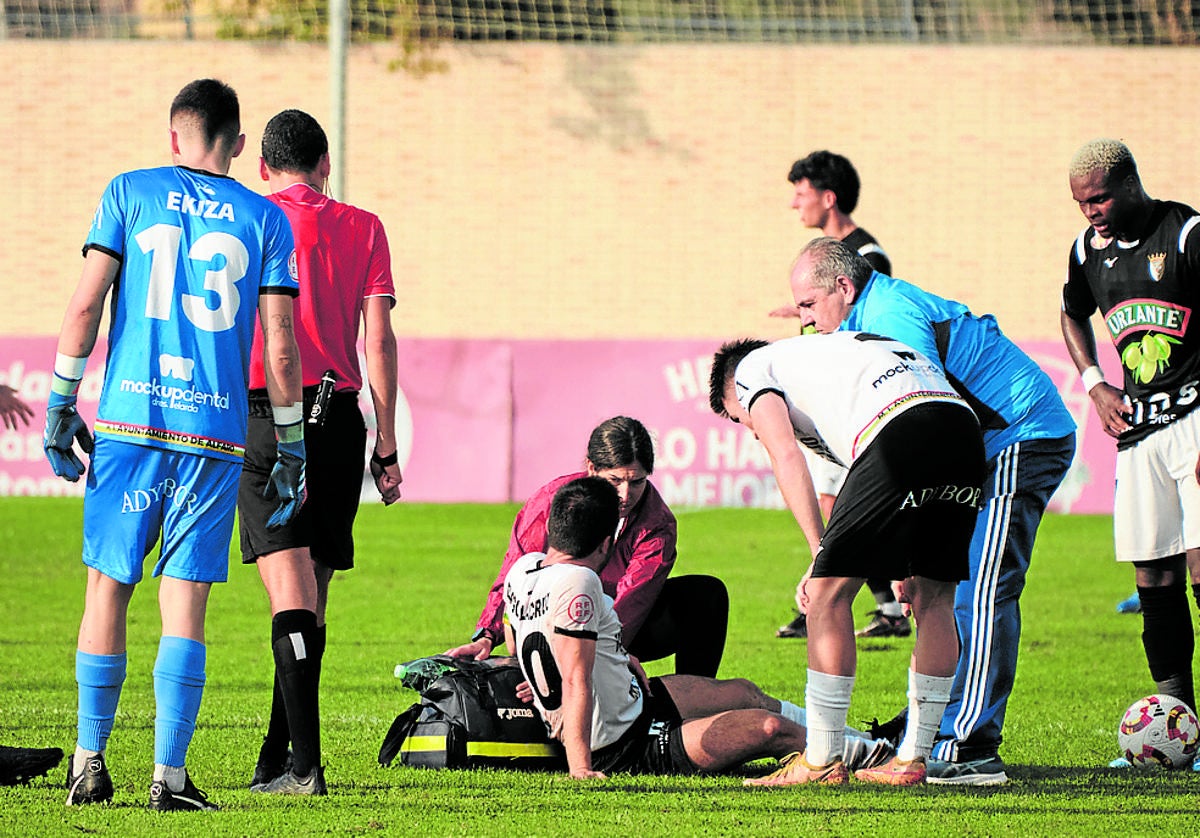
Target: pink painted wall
(491,420)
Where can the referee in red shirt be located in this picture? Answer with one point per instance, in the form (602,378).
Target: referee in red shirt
(345,276)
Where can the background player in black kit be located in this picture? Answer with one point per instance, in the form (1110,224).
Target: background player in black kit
(827,187)
(1139,263)
(826,192)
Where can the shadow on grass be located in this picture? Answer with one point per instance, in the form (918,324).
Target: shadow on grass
(1102,780)
(1024,780)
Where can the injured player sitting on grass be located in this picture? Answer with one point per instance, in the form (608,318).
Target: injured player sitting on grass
(597,700)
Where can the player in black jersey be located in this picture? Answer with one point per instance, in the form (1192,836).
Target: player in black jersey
(1138,263)
(826,192)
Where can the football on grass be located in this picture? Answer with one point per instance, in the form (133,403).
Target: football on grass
(1159,730)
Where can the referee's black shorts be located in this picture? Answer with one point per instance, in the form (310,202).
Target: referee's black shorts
(336,453)
(910,502)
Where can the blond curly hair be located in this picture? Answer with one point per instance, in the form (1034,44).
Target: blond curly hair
(1103,155)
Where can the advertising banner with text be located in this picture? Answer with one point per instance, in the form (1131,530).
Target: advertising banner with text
(492,420)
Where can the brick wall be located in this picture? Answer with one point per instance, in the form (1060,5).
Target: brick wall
(563,191)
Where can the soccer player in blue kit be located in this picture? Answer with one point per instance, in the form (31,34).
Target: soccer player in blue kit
(189,256)
(1029,437)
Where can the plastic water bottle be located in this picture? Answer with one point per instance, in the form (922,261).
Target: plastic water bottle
(420,673)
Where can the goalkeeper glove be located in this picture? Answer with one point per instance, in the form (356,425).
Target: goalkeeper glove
(63,427)
(287,477)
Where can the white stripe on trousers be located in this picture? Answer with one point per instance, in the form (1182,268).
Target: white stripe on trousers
(983,604)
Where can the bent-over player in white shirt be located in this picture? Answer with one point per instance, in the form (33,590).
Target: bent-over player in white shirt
(906,512)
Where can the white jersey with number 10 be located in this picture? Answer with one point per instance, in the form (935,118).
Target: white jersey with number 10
(541,601)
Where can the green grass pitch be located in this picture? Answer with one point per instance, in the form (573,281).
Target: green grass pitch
(422,573)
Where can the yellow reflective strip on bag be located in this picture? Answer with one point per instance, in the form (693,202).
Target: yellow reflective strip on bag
(423,744)
(509,749)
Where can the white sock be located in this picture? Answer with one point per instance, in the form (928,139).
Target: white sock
(827,700)
(891,609)
(173,776)
(928,696)
(796,714)
(82,755)
(793,712)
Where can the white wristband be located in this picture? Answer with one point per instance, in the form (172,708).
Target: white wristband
(1090,377)
(69,367)
(290,414)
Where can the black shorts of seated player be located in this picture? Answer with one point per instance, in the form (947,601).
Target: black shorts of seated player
(910,502)
(334,473)
(653,744)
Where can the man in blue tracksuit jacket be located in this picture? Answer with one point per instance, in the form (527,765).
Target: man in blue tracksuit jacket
(1029,437)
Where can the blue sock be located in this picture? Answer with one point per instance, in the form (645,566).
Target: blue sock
(178,687)
(100,678)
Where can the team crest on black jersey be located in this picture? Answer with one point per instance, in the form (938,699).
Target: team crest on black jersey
(1156,263)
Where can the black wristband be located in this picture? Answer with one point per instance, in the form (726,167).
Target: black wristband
(389,460)
(485,632)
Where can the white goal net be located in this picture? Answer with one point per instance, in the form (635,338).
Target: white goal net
(1147,22)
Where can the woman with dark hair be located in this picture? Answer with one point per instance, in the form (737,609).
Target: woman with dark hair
(685,615)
